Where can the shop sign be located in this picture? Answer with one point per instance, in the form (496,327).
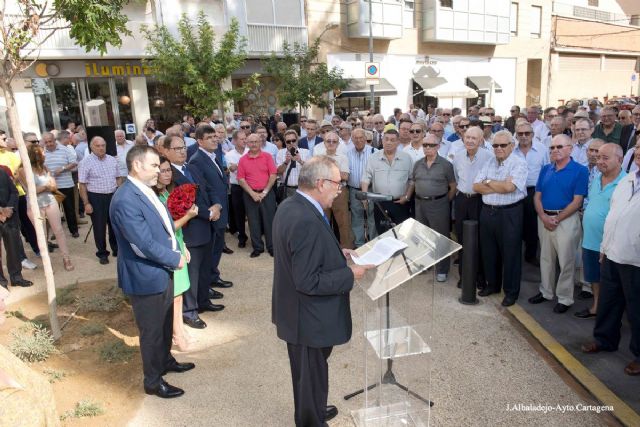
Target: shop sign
(93,69)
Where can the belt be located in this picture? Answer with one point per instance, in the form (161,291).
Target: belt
(512,205)
(292,186)
(355,188)
(259,191)
(551,213)
(431,197)
(469,195)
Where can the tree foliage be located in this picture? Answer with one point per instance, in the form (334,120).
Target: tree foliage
(197,63)
(302,81)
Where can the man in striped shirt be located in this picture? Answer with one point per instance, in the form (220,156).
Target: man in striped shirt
(358,156)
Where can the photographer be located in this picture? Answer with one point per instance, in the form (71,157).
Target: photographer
(289,160)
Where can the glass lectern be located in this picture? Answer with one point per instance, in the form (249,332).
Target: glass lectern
(398,314)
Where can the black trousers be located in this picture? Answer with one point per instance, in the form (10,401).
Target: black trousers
(530,226)
(216,252)
(396,211)
(310,377)
(468,208)
(199,277)
(10,235)
(101,222)
(154,317)
(618,290)
(260,219)
(501,243)
(26,226)
(237,213)
(69,206)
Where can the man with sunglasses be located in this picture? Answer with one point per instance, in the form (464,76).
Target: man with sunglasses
(448,149)
(510,123)
(289,161)
(536,155)
(560,190)
(502,183)
(414,149)
(448,126)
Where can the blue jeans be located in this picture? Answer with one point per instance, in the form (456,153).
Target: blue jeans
(358,220)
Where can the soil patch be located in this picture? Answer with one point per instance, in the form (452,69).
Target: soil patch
(79,371)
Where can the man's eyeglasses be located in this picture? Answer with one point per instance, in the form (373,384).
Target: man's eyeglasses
(378,123)
(331,141)
(339,184)
(181,148)
(245,127)
(593,150)
(446,114)
(497,121)
(500,145)
(303,121)
(557,147)
(513,111)
(290,141)
(435,131)
(581,129)
(429,145)
(463,126)
(523,133)
(415,131)
(32,141)
(491,114)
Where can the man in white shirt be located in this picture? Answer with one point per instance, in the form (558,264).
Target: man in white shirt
(340,207)
(122,146)
(533,117)
(267,146)
(289,161)
(414,149)
(237,214)
(582,131)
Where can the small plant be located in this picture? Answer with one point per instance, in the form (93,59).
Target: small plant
(32,343)
(91,329)
(116,352)
(106,302)
(17,314)
(65,295)
(54,375)
(84,408)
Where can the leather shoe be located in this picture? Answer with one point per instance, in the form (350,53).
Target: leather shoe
(104,261)
(227,250)
(210,307)
(221,284)
(486,292)
(22,282)
(242,244)
(179,367)
(75,235)
(508,301)
(331,413)
(632,368)
(213,294)
(255,254)
(196,323)
(585,295)
(271,253)
(165,391)
(537,299)
(590,348)
(584,314)
(560,308)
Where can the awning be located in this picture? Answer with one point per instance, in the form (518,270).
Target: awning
(451,90)
(482,84)
(359,87)
(429,82)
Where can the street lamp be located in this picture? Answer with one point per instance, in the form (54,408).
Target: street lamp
(329,26)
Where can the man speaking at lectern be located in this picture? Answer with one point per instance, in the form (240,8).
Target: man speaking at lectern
(311,285)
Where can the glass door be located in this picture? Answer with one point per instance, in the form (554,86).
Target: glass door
(97,99)
(67,99)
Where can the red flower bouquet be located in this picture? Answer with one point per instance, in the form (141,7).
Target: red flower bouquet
(181,199)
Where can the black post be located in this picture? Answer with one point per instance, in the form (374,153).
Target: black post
(469,262)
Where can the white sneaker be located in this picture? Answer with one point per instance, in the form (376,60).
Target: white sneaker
(441,277)
(28,264)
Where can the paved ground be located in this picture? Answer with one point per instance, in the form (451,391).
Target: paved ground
(482,363)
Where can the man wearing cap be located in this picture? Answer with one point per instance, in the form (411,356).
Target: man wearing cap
(502,183)
(560,190)
(321,149)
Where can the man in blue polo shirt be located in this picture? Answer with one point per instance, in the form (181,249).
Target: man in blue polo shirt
(561,188)
(610,172)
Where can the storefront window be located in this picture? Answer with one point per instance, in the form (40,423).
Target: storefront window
(166,105)
(68,101)
(125,111)
(345,106)
(42,94)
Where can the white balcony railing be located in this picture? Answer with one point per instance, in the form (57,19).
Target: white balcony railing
(594,14)
(266,38)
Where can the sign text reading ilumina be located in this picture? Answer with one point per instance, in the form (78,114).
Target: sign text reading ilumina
(92,69)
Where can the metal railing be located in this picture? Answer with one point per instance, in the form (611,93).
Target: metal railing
(266,38)
(594,14)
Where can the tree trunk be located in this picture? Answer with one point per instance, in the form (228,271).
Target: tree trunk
(14,125)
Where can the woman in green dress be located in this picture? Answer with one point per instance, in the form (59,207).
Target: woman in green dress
(180,277)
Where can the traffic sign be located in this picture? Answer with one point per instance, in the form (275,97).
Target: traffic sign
(372,70)
(633,77)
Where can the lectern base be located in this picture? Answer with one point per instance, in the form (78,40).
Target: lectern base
(396,415)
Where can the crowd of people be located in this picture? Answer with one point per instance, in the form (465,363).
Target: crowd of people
(557,188)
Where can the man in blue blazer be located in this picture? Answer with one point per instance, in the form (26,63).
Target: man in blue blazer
(148,255)
(311,140)
(206,162)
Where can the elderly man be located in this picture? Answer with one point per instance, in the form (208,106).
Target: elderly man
(457,134)
(620,272)
(510,123)
(257,175)
(608,129)
(557,126)
(289,161)
(339,209)
(609,163)
(345,130)
(448,149)
(360,214)
(404,137)
(388,172)
(628,134)
(435,185)
(582,131)
(414,149)
(378,132)
(533,117)
(98,178)
(560,190)
(123,146)
(502,183)
(79,140)
(60,162)
(237,211)
(536,156)
(625,118)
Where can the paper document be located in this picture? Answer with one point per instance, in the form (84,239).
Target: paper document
(381,251)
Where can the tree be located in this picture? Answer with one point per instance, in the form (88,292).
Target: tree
(197,64)
(302,81)
(26,25)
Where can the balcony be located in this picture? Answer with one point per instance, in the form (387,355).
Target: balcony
(386,22)
(262,39)
(466,21)
(594,14)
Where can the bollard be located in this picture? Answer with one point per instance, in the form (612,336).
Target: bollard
(469,262)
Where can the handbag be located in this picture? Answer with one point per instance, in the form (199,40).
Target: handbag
(281,190)
(59,196)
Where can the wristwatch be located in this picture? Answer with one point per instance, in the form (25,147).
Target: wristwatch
(486,181)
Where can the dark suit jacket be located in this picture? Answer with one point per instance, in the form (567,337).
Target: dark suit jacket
(627,133)
(145,254)
(197,232)
(9,196)
(217,184)
(311,281)
(304,142)
(193,149)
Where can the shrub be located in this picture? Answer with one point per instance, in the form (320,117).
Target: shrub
(107,302)
(32,343)
(91,329)
(115,352)
(84,408)
(54,375)
(65,296)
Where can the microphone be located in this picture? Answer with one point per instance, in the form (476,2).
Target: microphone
(374,197)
